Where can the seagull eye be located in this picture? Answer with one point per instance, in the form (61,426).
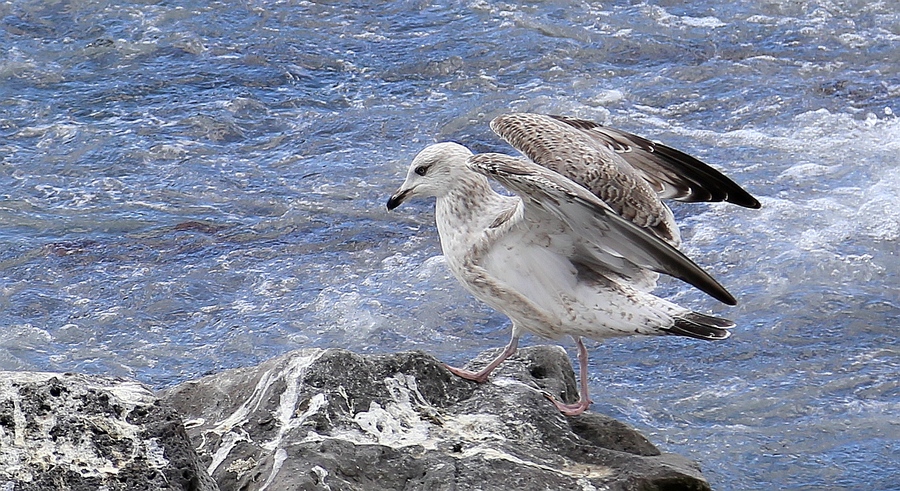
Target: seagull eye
(421,170)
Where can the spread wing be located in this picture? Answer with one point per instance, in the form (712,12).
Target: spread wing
(573,154)
(603,237)
(547,140)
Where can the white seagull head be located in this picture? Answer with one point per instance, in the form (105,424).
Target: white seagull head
(434,170)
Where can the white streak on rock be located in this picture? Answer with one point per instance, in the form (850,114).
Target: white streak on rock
(397,423)
(576,471)
(20,421)
(321,474)
(156,455)
(475,427)
(587,486)
(284,414)
(239,417)
(289,398)
(229,440)
(129,392)
(280,456)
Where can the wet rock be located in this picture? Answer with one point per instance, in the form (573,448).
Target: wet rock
(334,420)
(79,432)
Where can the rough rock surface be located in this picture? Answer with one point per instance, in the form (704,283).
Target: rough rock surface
(78,432)
(334,420)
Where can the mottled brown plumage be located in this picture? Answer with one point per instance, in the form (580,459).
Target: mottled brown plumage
(627,172)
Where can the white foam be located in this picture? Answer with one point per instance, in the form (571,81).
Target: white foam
(829,185)
(708,22)
(664,18)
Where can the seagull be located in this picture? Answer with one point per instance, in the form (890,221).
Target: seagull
(579,245)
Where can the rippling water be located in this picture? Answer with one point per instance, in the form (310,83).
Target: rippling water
(187,188)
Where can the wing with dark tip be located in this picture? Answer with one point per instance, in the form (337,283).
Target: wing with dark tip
(550,198)
(673,173)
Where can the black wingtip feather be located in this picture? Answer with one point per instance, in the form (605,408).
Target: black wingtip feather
(701,279)
(701,326)
(731,191)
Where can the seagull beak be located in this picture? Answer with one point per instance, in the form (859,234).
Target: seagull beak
(397,198)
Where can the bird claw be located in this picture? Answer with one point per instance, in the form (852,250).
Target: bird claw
(467,374)
(568,409)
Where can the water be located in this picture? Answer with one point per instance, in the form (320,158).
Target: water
(193,186)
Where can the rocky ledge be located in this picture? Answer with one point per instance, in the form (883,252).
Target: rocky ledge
(87,433)
(325,420)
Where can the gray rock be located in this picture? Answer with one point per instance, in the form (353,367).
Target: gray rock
(80,432)
(334,420)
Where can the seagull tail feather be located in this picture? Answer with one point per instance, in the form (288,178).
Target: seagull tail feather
(701,326)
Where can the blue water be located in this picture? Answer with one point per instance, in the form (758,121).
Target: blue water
(187,187)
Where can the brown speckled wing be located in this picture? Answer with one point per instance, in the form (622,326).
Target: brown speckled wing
(577,155)
(674,174)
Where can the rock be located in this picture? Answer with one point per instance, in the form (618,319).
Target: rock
(80,432)
(334,420)
(326,420)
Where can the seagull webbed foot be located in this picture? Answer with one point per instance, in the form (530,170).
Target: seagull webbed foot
(584,400)
(480,377)
(569,409)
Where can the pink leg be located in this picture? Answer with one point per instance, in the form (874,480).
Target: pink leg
(584,400)
(482,375)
